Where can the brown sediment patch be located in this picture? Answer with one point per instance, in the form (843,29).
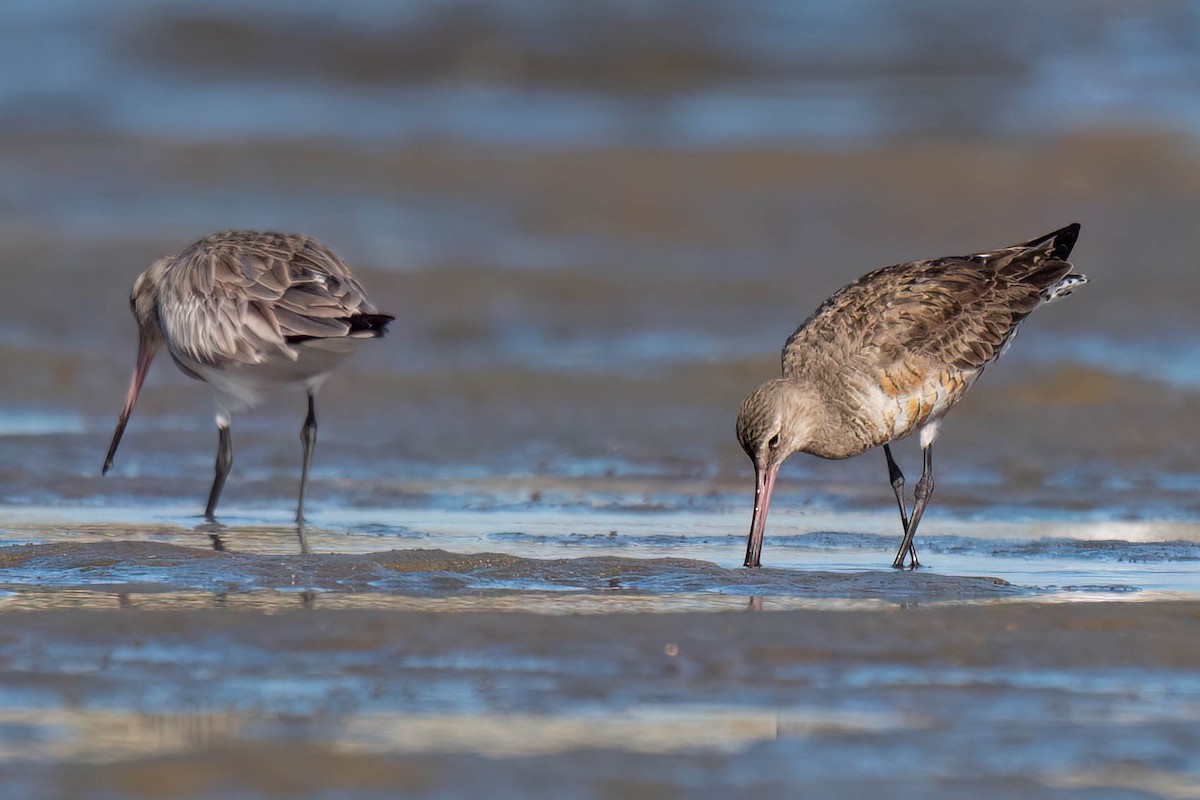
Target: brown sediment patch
(1075,385)
(12,557)
(453,42)
(443,561)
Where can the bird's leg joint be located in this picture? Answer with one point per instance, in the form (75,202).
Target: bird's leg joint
(924,487)
(308,432)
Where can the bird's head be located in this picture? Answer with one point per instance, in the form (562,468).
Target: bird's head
(775,421)
(143,301)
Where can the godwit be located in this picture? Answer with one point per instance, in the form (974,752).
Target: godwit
(889,355)
(246,312)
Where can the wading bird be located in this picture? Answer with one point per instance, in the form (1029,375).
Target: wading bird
(247,312)
(888,356)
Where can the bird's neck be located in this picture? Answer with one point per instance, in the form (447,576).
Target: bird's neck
(826,433)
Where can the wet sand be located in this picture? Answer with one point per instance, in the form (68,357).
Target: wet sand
(168,661)
(1029,699)
(145,567)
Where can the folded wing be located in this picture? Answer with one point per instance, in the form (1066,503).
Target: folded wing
(245,297)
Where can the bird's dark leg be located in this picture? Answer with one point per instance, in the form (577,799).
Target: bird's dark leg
(308,436)
(897,478)
(224,464)
(922,495)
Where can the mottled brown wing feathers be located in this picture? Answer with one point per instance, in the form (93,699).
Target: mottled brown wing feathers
(949,312)
(243,296)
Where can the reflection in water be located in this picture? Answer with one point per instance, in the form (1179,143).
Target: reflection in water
(69,734)
(272,601)
(302,536)
(92,735)
(1145,781)
(551,603)
(220,535)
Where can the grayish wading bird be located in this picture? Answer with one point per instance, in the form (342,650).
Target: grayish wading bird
(247,312)
(888,356)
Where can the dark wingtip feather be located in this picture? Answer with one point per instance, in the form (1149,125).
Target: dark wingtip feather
(1061,241)
(375,324)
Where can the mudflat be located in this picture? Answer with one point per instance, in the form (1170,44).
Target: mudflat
(163,696)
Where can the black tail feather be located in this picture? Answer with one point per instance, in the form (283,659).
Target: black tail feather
(1061,241)
(375,323)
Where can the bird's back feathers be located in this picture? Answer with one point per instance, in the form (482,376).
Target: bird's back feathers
(894,350)
(957,311)
(243,297)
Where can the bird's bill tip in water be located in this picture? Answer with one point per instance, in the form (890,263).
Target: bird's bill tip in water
(146,350)
(764,485)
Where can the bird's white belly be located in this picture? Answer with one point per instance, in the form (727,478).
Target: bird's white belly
(241,386)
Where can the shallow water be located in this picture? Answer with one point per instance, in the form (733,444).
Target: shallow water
(683,553)
(366,701)
(540,648)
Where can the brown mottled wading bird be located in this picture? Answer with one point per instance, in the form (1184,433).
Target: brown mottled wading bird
(247,312)
(888,356)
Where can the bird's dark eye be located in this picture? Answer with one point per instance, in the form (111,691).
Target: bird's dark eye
(773,442)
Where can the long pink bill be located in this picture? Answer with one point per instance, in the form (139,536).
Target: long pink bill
(146,351)
(764,485)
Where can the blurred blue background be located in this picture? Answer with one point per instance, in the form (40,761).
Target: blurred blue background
(597,223)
